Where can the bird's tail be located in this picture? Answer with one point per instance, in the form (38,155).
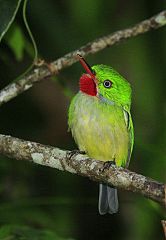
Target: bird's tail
(108,199)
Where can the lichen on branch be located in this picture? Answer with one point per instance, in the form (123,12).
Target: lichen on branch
(81,164)
(42,71)
(70,161)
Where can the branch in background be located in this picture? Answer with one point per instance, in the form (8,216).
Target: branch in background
(163,222)
(39,73)
(82,165)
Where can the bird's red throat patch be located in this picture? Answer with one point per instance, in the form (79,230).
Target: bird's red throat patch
(87,85)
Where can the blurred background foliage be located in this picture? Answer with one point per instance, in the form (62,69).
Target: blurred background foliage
(41,203)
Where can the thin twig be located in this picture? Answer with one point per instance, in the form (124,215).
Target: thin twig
(42,72)
(80,164)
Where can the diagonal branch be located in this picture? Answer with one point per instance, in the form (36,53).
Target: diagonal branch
(77,163)
(42,72)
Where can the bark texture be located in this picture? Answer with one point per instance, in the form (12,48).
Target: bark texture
(76,163)
(42,71)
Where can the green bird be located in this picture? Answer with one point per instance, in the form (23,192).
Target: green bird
(100,121)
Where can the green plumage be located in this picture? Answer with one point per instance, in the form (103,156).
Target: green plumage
(101,125)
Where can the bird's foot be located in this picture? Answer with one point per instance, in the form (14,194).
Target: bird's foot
(73,153)
(107,165)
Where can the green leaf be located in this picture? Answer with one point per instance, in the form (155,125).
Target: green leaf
(16,41)
(16,232)
(8,10)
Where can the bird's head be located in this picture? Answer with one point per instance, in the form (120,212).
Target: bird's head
(105,83)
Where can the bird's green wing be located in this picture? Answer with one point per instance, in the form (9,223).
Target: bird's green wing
(130,128)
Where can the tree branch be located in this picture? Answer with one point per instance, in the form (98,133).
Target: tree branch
(163,222)
(77,163)
(42,72)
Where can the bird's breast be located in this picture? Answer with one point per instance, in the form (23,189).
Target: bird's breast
(99,129)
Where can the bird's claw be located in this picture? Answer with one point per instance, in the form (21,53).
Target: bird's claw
(107,165)
(74,152)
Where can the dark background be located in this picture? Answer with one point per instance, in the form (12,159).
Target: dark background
(45,198)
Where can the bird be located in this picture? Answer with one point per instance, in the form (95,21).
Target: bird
(100,122)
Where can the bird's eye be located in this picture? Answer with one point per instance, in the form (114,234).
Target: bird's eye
(107,83)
